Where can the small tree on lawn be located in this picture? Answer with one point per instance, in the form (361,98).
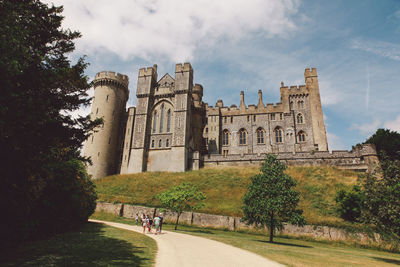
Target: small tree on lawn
(180,198)
(270,199)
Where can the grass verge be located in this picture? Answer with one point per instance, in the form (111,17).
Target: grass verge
(288,251)
(93,245)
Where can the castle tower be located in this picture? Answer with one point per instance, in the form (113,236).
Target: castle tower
(103,146)
(317,118)
(147,79)
(182,115)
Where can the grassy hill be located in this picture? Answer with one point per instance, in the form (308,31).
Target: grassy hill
(225,187)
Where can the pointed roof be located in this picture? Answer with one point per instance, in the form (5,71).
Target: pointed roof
(166,80)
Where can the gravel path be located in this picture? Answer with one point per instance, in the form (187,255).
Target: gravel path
(175,249)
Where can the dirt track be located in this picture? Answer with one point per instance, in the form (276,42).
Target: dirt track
(175,249)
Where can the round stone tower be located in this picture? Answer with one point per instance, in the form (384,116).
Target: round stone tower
(109,102)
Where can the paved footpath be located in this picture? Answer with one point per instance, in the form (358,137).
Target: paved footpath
(175,249)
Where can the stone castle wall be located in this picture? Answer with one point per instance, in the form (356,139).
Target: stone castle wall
(234,223)
(360,159)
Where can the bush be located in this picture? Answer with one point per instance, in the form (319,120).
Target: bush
(350,203)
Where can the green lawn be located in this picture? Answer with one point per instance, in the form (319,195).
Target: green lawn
(288,251)
(93,245)
(225,187)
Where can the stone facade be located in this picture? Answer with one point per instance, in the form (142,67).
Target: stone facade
(172,129)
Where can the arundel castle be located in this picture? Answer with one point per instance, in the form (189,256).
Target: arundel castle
(172,129)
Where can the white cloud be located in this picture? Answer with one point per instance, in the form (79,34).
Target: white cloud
(380,48)
(367,128)
(329,96)
(334,142)
(174,29)
(393,125)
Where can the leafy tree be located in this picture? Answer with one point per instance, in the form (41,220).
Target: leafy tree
(270,199)
(350,203)
(386,142)
(382,202)
(183,197)
(42,174)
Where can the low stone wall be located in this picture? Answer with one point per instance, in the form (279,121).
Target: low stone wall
(362,158)
(234,223)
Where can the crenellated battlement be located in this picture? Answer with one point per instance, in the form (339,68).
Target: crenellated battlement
(310,72)
(183,68)
(104,76)
(149,71)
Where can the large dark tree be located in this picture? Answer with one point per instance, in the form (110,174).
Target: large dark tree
(44,185)
(382,201)
(387,143)
(270,199)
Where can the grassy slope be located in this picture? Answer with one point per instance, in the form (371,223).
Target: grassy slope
(93,245)
(288,251)
(225,187)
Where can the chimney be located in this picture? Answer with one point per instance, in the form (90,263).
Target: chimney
(242,104)
(260,101)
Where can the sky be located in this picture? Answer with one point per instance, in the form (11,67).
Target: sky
(249,45)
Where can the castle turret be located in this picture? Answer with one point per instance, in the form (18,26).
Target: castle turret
(318,125)
(147,79)
(103,146)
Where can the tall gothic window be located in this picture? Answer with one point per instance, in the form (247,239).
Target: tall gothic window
(299,118)
(260,136)
(162,118)
(300,104)
(154,121)
(242,137)
(302,137)
(278,135)
(169,120)
(225,138)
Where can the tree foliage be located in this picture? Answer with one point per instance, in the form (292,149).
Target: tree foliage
(382,203)
(270,199)
(387,143)
(42,174)
(350,203)
(183,197)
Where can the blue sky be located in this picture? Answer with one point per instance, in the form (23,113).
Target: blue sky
(250,45)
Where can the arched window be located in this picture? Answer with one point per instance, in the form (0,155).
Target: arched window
(154,121)
(278,135)
(300,104)
(225,138)
(167,143)
(152,143)
(302,137)
(299,118)
(169,120)
(242,137)
(159,143)
(162,118)
(260,136)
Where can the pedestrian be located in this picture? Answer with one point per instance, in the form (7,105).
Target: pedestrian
(137,219)
(144,223)
(150,224)
(161,221)
(157,223)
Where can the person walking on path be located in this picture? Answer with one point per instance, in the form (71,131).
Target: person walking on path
(161,221)
(150,223)
(157,223)
(144,223)
(137,219)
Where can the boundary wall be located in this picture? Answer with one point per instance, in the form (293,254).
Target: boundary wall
(234,223)
(362,158)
